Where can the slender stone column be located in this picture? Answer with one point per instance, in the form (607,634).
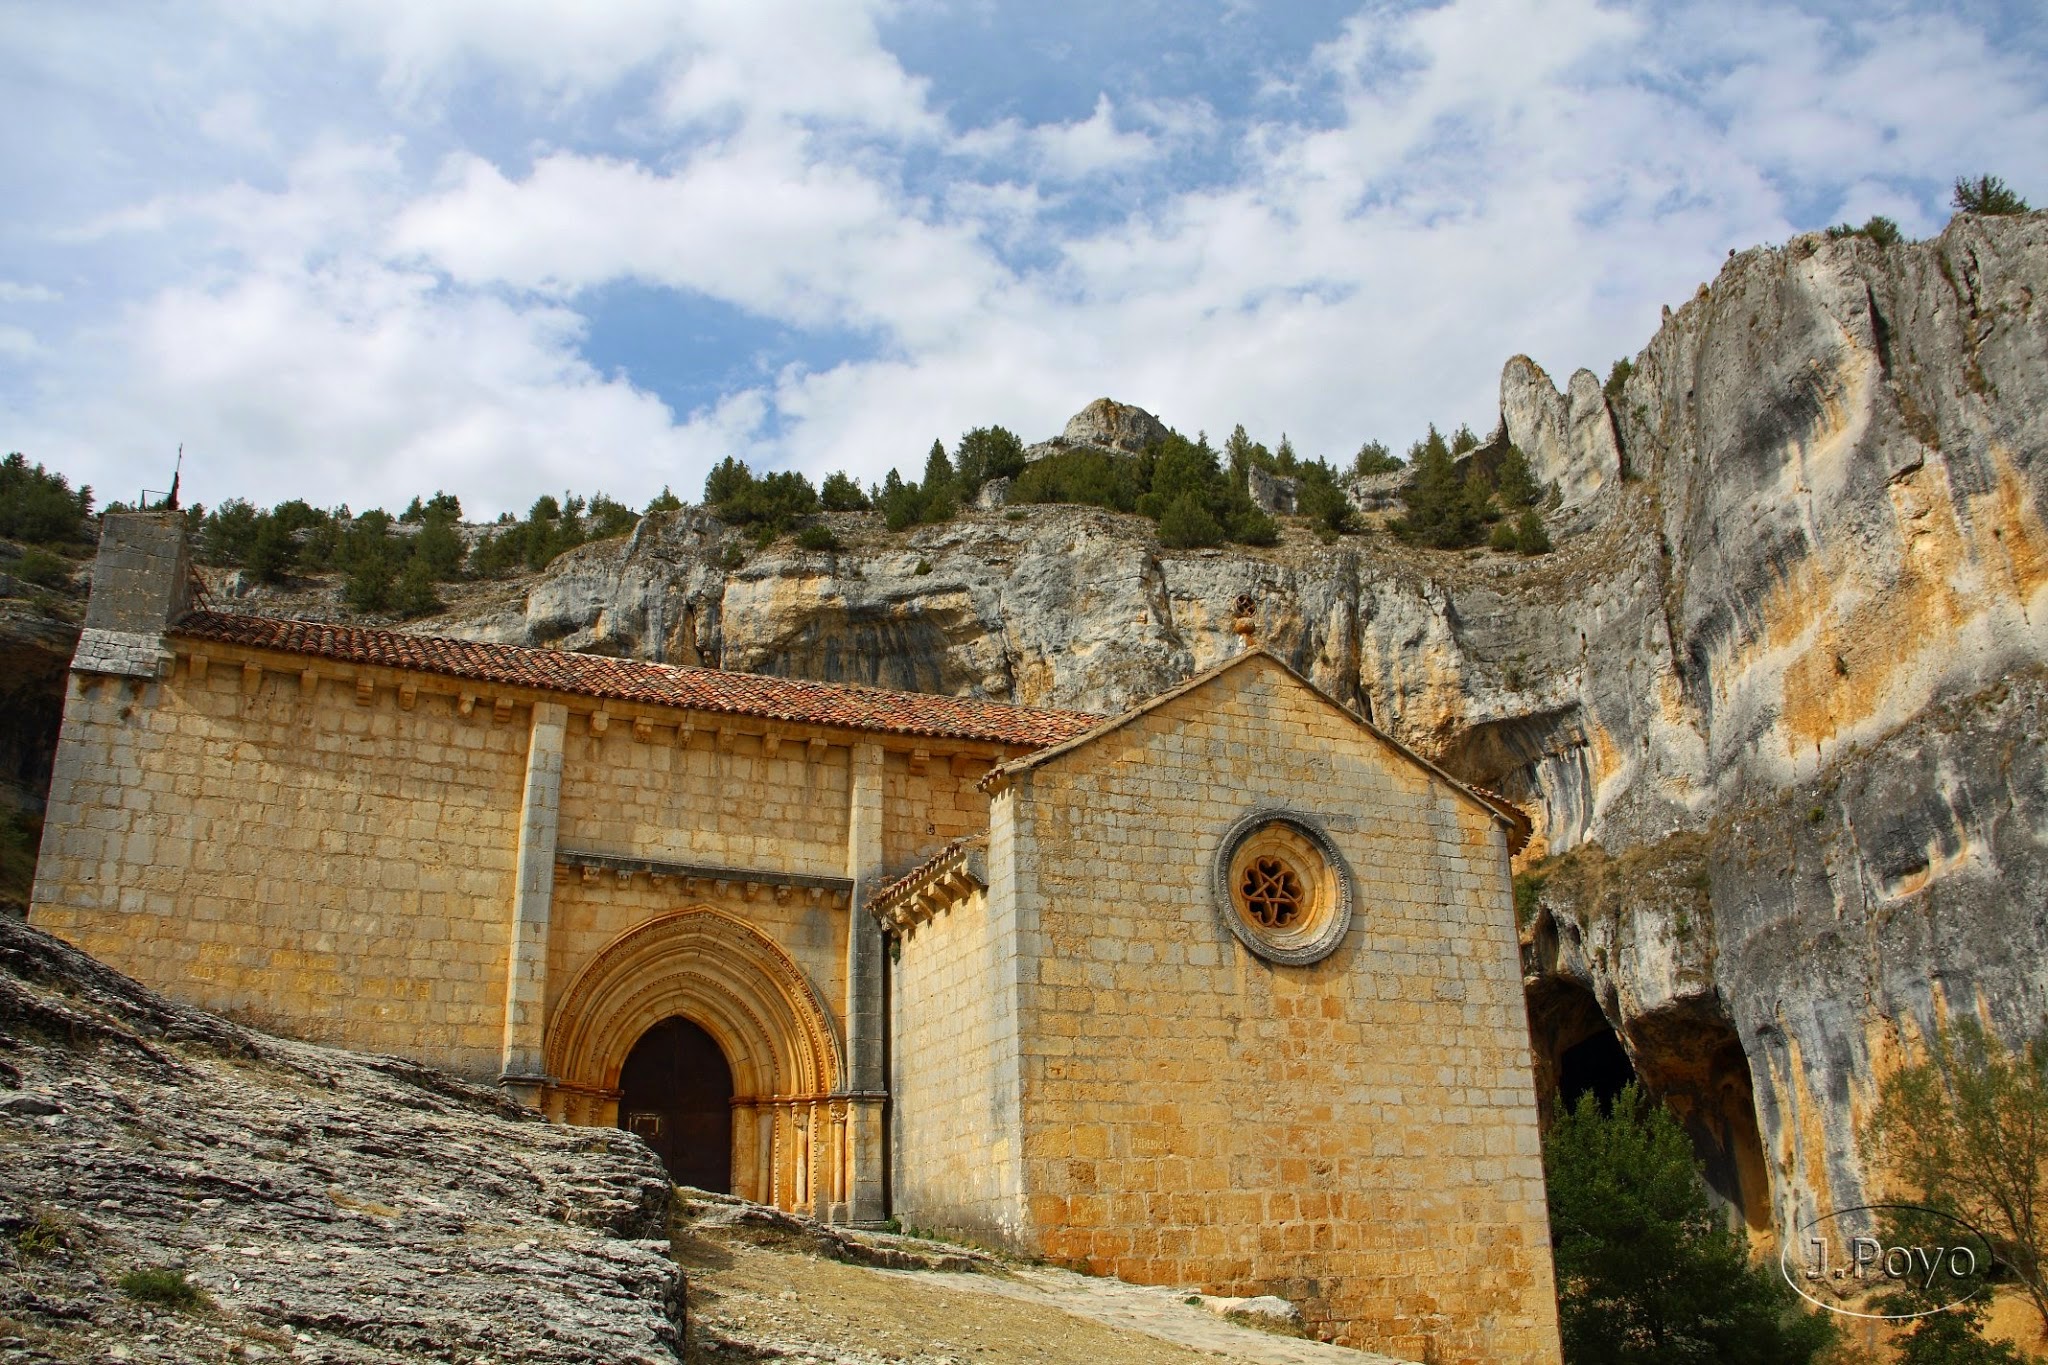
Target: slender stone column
(838,1187)
(746,1149)
(526,977)
(867,1080)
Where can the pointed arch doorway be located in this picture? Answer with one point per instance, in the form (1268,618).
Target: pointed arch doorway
(675,1091)
(788,1140)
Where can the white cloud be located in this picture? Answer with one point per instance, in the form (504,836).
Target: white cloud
(1093,145)
(383,293)
(238,119)
(756,222)
(362,384)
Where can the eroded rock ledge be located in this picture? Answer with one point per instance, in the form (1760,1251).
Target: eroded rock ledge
(330,1205)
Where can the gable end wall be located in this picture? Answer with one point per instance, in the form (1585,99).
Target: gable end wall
(1358,1135)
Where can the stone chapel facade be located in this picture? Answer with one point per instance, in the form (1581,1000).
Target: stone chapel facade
(1223,992)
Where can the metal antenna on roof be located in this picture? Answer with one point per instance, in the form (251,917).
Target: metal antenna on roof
(169,502)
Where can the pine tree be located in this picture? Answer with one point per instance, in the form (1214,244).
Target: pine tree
(1513,481)
(938,470)
(839,493)
(1443,511)
(1647,1272)
(1987,194)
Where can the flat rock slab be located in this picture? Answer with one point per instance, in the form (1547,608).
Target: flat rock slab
(769,1285)
(329,1206)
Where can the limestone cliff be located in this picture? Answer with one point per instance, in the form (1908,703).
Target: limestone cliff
(1774,703)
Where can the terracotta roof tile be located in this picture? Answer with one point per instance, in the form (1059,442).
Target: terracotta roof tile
(696,689)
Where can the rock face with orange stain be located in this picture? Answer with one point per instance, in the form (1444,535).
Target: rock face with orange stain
(1775,703)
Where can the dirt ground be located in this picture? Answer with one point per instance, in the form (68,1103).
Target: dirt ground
(756,1294)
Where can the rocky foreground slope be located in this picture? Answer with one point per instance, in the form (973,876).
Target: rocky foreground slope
(1775,703)
(323,1205)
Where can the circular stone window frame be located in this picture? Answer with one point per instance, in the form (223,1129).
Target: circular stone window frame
(1330,916)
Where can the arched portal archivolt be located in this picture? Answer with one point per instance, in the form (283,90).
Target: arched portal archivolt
(716,971)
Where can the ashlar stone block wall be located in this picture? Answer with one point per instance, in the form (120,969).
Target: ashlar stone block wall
(269,848)
(1357,1135)
(331,850)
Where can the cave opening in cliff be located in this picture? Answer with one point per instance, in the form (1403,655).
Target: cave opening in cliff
(1577,1050)
(1599,1065)
(1689,1057)
(1692,1059)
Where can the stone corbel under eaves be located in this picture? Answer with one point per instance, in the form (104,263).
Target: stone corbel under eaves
(942,882)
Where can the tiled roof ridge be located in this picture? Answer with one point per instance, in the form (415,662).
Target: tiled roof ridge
(715,690)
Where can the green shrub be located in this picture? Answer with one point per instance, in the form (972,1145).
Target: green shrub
(839,493)
(609,517)
(1323,502)
(1255,528)
(45,570)
(413,594)
(817,537)
(446,506)
(774,502)
(1617,378)
(1444,511)
(45,1234)
(1095,478)
(664,501)
(1513,481)
(1530,537)
(1877,228)
(370,586)
(986,453)
(1528,896)
(1964,1129)
(165,1287)
(1374,458)
(1187,524)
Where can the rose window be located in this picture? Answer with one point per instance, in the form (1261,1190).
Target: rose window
(1272,893)
(1281,887)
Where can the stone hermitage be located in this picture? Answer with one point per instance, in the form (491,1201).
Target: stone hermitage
(1221,992)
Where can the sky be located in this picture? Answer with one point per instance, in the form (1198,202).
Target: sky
(355,250)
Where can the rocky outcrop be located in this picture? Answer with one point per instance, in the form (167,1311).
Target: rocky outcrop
(1568,438)
(1114,426)
(1795,623)
(181,1188)
(1274,493)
